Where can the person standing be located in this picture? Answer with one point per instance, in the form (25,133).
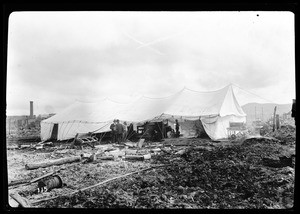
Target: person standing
(125,131)
(113,129)
(294,110)
(177,133)
(119,131)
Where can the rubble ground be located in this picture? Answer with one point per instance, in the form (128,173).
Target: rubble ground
(197,174)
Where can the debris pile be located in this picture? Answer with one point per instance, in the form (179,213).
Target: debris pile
(27,132)
(286,134)
(24,135)
(193,177)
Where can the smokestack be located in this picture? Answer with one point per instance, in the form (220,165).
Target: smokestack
(31,109)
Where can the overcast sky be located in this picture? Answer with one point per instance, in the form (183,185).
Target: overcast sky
(56,58)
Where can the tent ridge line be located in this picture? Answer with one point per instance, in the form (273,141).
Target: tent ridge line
(205,92)
(69,121)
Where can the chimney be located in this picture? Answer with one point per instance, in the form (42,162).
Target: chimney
(31,109)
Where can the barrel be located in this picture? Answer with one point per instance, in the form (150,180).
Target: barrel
(54,182)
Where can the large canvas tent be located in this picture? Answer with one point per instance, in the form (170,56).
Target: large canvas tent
(215,110)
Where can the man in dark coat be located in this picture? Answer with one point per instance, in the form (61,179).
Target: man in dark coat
(177,128)
(113,129)
(294,110)
(119,131)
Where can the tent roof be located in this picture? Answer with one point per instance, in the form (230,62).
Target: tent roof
(185,103)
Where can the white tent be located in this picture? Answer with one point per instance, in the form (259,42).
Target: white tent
(214,109)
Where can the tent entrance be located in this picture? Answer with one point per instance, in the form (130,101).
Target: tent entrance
(156,131)
(150,130)
(54,132)
(192,129)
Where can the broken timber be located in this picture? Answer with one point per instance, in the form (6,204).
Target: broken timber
(26,181)
(140,143)
(95,185)
(25,146)
(13,183)
(134,157)
(41,177)
(12,147)
(105,158)
(56,162)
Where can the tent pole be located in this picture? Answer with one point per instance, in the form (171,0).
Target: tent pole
(163,129)
(159,127)
(102,137)
(131,134)
(126,133)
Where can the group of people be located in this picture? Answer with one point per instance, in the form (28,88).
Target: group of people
(118,131)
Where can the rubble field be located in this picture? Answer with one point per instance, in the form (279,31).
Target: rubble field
(185,173)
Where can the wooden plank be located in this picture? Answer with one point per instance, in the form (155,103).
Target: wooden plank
(140,143)
(13,183)
(105,158)
(41,177)
(12,147)
(130,151)
(134,157)
(27,181)
(56,162)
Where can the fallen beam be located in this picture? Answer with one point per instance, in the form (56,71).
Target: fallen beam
(12,147)
(95,185)
(155,150)
(181,152)
(134,157)
(140,143)
(56,162)
(130,151)
(199,148)
(13,183)
(41,177)
(105,158)
(27,181)
(25,146)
